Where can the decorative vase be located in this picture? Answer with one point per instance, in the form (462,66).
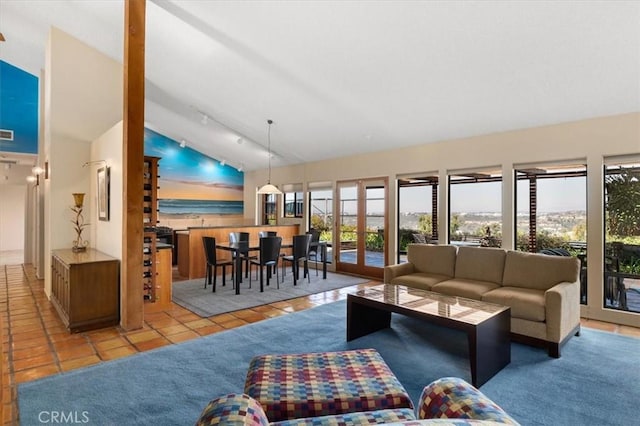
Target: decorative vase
(78,223)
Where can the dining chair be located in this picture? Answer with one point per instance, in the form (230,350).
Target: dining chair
(300,252)
(235,237)
(269,257)
(313,246)
(262,234)
(213,262)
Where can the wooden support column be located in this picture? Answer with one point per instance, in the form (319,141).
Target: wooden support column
(131,287)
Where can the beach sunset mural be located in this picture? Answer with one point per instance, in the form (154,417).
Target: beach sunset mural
(193,185)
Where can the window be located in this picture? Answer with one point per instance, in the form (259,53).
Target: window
(622,237)
(269,209)
(320,197)
(551,213)
(417,211)
(475,208)
(293,204)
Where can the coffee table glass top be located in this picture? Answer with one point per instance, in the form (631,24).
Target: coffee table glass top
(458,308)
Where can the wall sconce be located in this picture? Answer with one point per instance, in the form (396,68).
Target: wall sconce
(94,162)
(37,170)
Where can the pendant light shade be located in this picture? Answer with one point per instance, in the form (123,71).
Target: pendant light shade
(268,188)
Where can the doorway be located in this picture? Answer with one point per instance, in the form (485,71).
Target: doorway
(362,227)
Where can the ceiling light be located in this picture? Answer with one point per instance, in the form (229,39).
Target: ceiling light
(183,143)
(205,119)
(241,167)
(268,188)
(240,141)
(223,162)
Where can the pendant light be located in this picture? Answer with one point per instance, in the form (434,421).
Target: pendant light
(268,188)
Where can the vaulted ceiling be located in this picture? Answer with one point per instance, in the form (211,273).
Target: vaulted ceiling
(346,77)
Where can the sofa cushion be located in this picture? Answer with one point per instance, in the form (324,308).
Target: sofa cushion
(525,303)
(471,289)
(480,263)
(421,280)
(393,416)
(233,410)
(291,386)
(433,259)
(452,397)
(539,271)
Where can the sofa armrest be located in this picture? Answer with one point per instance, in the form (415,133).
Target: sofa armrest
(233,410)
(453,398)
(562,305)
(393,271)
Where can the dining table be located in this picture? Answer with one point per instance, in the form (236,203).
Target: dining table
(243,248)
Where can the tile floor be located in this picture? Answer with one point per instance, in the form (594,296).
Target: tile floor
(35,344)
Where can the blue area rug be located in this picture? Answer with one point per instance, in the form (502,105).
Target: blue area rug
(596,382)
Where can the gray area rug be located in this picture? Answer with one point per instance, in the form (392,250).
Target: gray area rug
(193,296)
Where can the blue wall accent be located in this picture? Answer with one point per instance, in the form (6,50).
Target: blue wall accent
(191,183)
(19,109)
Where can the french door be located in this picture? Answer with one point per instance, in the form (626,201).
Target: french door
(361,231)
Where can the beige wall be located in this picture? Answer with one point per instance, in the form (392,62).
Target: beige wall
(599,137)
(106,235)
(81,101)
(588,141)
(12,216)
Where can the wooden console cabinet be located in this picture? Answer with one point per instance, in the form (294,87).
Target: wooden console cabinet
(85,289)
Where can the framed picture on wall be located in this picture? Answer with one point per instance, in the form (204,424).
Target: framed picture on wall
(103,193)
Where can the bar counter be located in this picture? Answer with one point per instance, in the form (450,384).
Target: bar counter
(191,262)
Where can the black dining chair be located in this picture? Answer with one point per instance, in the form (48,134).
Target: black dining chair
(300,252)
(213,262)
(269,257)
(314,246)
(263,234)
(235,237)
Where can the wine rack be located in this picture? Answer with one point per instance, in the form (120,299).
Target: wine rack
(150,220)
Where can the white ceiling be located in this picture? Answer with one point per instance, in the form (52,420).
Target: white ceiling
(347,77)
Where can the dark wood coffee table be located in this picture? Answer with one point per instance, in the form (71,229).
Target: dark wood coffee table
(487,325)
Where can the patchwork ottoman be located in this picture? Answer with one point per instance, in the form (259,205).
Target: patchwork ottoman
(294,386)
